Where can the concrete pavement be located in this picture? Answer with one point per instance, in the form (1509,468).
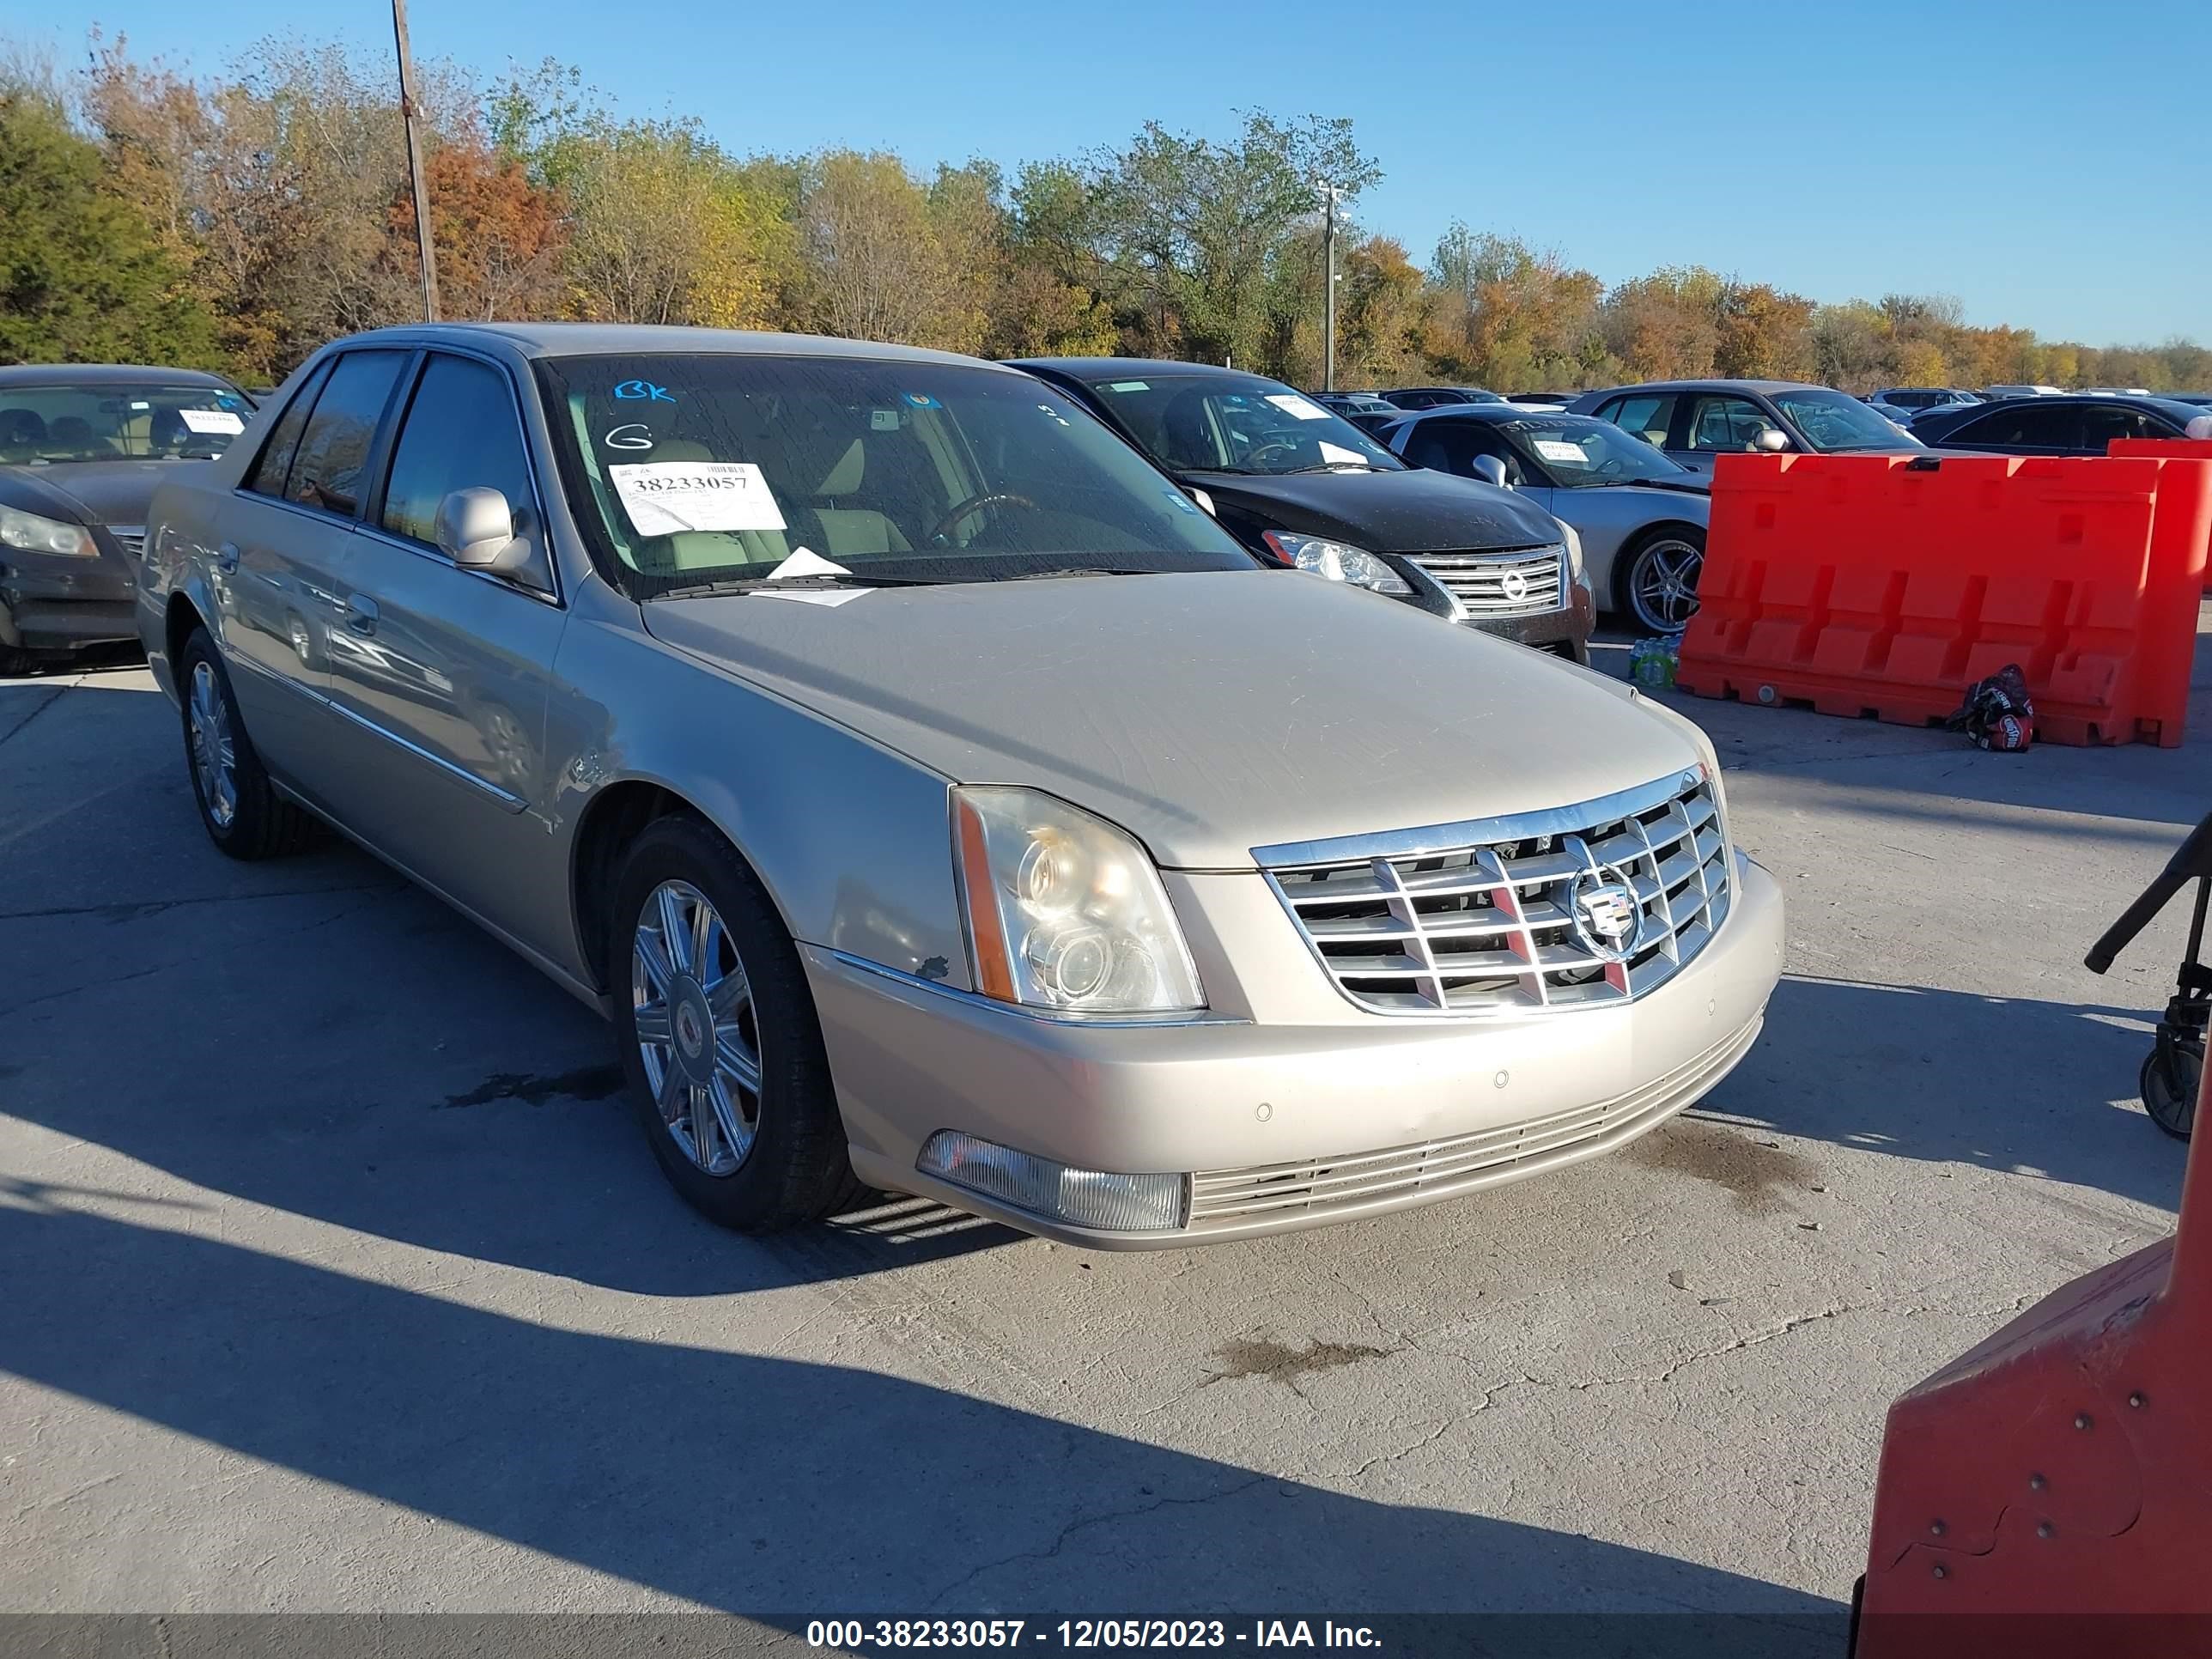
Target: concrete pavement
(333,1274)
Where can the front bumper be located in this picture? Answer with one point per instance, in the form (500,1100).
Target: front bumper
(1566,630)
(1284,1123)
(48,603)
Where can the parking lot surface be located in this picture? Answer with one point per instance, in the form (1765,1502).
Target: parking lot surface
(334,1275)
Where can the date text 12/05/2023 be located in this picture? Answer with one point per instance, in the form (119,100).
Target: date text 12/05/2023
(859,1635)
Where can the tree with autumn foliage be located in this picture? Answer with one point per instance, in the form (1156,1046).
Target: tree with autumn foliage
(498,238)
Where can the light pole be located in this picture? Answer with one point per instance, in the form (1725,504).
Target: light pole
(1328,195)
(421,186)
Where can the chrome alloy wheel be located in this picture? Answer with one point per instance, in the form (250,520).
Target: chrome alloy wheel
(1663,586)
(697,1032)
(214,751)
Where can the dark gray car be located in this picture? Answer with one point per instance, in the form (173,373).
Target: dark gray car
(1695,421)
(83,447)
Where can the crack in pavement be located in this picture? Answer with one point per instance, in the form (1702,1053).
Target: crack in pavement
(1084,1522)
(137,910)
(11,734)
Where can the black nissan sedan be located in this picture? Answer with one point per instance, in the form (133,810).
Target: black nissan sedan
(1302,488)
(83,446)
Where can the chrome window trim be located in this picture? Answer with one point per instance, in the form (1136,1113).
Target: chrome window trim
(508,800)
(1451,837)
(1045,1016)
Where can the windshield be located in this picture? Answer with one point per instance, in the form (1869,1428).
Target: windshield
(53,425)
(697,469)
(1831,421)
(1237,424)
(1577,452)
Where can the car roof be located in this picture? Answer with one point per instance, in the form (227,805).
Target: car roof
(1713,386)
(1093,370)
(1490,412)
(103,375)
(613,339)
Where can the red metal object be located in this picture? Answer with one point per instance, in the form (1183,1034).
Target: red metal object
(1884,586)
(2060,1473)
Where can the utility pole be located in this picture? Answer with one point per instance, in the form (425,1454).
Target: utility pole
(422,185)
(1329,193)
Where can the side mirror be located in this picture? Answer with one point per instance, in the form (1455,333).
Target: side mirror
(2200,428)
(475,528)
(1773,440)
(1490,470)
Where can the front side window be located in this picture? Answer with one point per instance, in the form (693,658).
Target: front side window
(1831,421)
(704,468)
(2100,426)
(60,425)
(327,471)
(1729,425)
(2028,425)
(1225,423)
(460,432)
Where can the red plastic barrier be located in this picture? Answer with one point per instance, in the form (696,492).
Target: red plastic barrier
(1874,585)
(2170,449)
(2059,1475)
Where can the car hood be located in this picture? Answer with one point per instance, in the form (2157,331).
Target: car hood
(90,492)
(1206,712)
(1416,511)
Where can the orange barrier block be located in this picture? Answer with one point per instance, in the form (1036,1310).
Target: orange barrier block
(1884,586)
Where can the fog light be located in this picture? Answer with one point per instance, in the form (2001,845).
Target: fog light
(1082,1198)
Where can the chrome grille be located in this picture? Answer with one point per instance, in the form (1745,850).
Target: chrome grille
(1522,582)
(132,536)
(1514,917)
(1221,1198)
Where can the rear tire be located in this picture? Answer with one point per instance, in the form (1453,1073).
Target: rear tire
(240,808)
(1655,582)
(720,1044)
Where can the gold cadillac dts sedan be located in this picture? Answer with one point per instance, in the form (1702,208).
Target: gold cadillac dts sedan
(935,798)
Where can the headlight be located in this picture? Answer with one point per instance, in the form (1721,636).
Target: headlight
(1064,910)
(1574,541)
(33,534)
(1338,561)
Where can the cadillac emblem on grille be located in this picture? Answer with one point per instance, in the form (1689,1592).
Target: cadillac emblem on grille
(1608,919)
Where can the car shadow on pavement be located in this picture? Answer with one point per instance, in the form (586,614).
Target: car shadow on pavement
(1998,1082)
(736,1481)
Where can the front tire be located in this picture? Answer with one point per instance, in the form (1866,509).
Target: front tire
(1657,585)
(240,808)
(720,1040)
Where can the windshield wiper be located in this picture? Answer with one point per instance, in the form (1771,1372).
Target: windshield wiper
(765,585)
(1330,466)
(1077,570)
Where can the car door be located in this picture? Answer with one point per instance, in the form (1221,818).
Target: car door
(1444,444)
(1718,424)
(438,699)
(285,532)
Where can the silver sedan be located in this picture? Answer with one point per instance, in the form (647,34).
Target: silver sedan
(1641,518)
(935,798)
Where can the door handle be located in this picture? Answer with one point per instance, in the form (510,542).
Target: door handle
(360,615)
(226,558)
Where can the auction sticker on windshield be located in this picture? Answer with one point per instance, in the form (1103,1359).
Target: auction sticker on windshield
(665,498)
(1558,449)
(1299,408)
(212,420)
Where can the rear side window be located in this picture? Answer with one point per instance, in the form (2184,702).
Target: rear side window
(327,471)
(461,433)
(1646,415)
(284,443)
(2026,425)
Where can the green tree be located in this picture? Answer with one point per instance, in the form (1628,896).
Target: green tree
(84,276)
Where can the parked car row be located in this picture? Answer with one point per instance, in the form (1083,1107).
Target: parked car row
(939,797)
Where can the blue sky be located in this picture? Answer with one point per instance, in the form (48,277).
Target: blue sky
(2047,162)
